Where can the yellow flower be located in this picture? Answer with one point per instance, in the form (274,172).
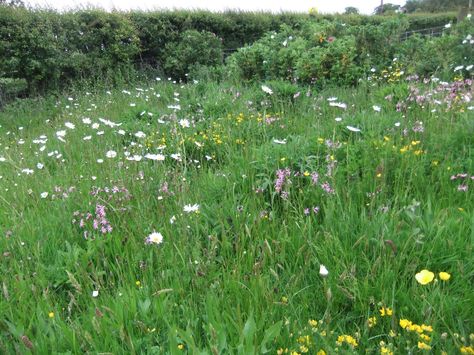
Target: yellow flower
(427,328)
(466,350)
(180,346)
(425,337)
(304,349)
(51,314)
(423,346)
(313,323)
(405,323)
(444,276)
(372,321)
(138,283)
(385,311)
(321,352)
(346,339)
(424,277)
(387,351)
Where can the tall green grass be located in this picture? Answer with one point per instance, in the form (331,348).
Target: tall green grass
(241,275)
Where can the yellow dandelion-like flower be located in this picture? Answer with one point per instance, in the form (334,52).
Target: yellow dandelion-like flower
(321,352)
(424,277)
(51,314)
(444,276)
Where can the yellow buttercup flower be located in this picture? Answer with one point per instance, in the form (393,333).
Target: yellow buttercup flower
(51,314)
(444,276)
(424,277)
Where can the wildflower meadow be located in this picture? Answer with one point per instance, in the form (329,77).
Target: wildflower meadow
(231,217)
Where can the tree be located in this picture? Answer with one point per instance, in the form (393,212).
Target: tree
(434,5)
(351,10)
(386,9)
(17,3)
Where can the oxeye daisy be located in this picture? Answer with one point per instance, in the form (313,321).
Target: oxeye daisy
(154,238)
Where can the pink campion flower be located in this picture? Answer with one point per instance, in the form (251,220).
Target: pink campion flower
(282,175)
(327,188)
(463,188)
(315,178)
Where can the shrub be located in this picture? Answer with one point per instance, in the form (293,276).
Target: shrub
(193,48)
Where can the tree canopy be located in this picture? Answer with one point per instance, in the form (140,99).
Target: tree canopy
(434,5)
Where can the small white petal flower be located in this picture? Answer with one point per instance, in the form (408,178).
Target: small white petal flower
(323,271)
(191,208)
(184,123)
(267,90)
(154,238)
(44,194)
(353,129)
(111,154)
(158,157)
(95,293)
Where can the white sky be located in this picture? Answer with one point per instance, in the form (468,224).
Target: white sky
(323,6)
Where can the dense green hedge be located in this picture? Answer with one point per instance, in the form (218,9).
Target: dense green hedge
(49,49)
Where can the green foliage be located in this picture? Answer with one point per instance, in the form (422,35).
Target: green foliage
(438,54)
(51,50)
(351,10)
(323,53)
(386,9)
(242,276)
(192,49)
(434,5)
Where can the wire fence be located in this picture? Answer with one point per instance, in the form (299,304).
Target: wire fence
(425,32)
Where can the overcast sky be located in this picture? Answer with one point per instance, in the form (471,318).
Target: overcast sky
(325,6)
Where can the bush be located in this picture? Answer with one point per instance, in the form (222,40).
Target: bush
(193,48)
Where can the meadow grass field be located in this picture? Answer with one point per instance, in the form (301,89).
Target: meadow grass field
(207,218)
